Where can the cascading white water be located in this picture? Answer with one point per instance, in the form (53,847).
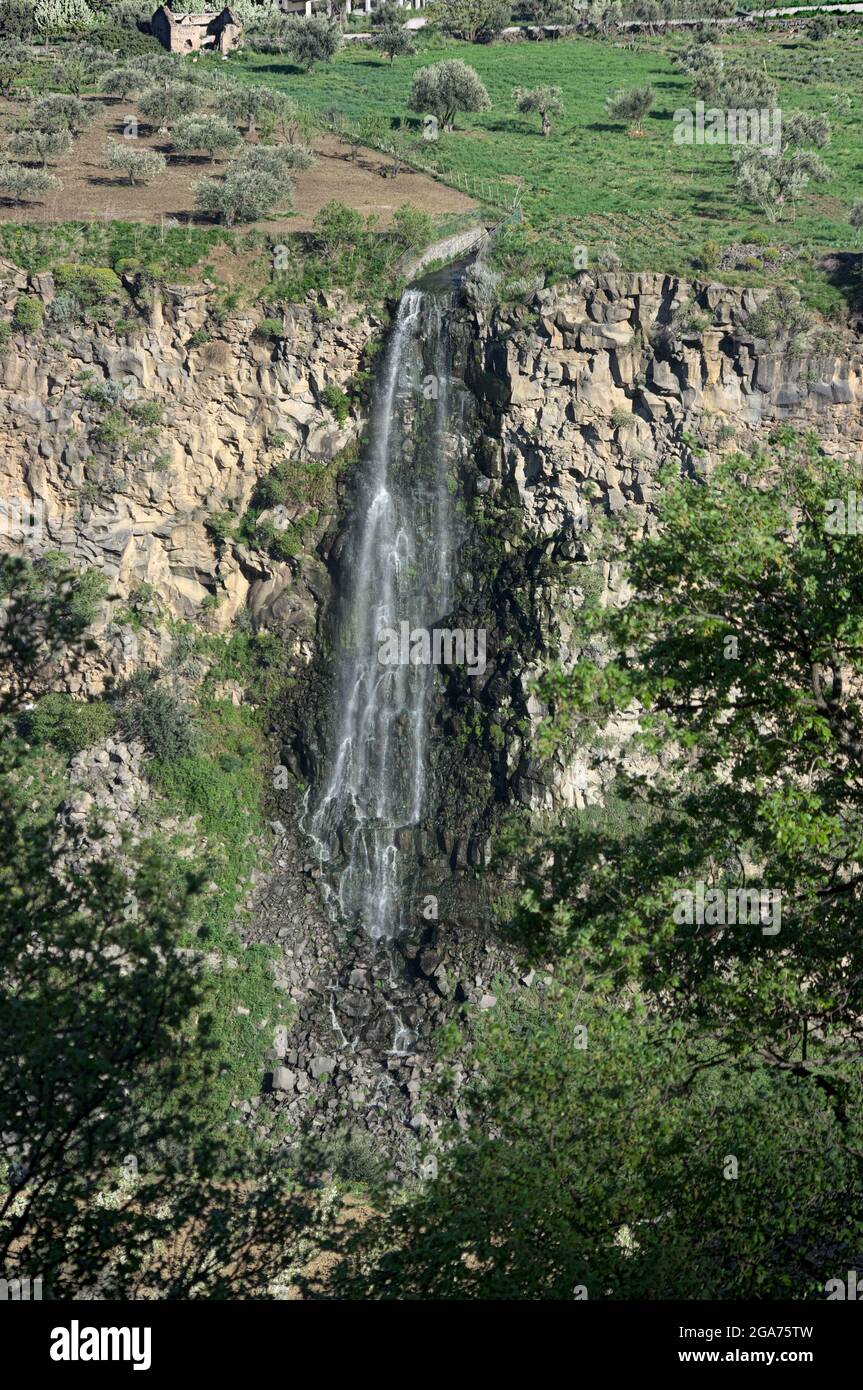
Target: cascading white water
(397,568)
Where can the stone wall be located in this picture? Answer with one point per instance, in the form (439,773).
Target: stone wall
(450,249)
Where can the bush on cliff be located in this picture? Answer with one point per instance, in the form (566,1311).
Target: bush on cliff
(155,716)
(68,725)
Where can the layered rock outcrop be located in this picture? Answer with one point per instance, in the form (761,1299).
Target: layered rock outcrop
(587,393)
(606,378)
(119,443)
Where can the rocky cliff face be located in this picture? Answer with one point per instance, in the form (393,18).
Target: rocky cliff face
(587,393)
(608,377)
(581,396)
(116,448)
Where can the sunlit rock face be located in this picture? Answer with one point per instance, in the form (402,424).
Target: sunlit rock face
(134,499)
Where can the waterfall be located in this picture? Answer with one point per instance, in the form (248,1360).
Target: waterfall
(396,570)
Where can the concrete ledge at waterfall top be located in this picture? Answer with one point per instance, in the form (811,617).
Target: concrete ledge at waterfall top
(447,250)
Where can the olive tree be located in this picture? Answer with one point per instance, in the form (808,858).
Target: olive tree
(122,82)
(312,39)
(248,105)
(22,184)
(776,179)
(163,104)
(474,20)
(30,143)
(276,161)
(60,111)
(548,101)
(208,133)
(775,182)
(243,195)
(443,89)
(395,41)
(630,107)
(140,164)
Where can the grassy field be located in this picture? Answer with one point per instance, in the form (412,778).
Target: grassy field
(591,181)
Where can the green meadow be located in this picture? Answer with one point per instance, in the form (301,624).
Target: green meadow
(592,181)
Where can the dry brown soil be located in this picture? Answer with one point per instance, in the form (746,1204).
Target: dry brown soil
(91,190)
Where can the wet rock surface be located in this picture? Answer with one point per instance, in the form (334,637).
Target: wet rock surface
(358,1060)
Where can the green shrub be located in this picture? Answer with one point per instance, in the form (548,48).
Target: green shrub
(280,543)
(222,527)
(337,401)
(155,717)
(68,725)
(93,285)
(17,17)
(823,26)
(338,228)
(123,40)
(708,258)
(105,393)
(111,429)
(411,226)
(51,577)
(271,328)
(29,313)
(91,590)
(147,412)
(782,311)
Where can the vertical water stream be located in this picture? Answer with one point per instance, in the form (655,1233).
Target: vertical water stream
(396,569)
